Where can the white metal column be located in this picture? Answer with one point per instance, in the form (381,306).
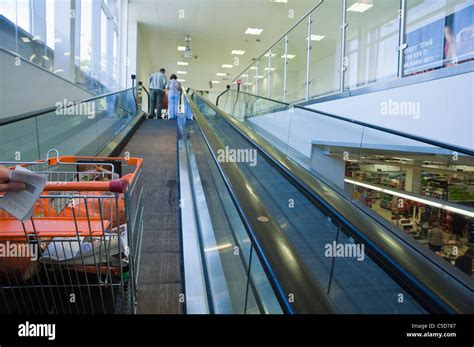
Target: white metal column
(308,59)
(269,74)
(342,71)
(256,78)
(402,45)
(285,76)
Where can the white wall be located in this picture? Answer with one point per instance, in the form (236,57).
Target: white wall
(446,109)
(25,87)
(446,115)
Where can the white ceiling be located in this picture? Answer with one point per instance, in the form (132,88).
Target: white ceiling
(217,27)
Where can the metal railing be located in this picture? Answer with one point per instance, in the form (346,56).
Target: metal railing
(260,64)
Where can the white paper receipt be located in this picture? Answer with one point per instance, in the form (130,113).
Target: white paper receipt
(21,204)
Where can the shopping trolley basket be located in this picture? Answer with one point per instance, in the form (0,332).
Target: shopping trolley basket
(79,251)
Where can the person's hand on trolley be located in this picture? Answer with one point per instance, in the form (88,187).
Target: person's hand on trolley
(6,185)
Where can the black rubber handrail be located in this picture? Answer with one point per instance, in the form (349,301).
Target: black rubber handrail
(33,114)
(455,149)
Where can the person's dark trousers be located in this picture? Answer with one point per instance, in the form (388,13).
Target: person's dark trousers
(153,98)
(159,106)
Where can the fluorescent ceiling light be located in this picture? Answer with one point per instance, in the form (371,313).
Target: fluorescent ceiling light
(361,6)
(253,31)
(268,54)
(181,48)
(221,74)
(181,72)
(227,66)
(183,63)
(259,76)
(465,212)
(315,37)
(270,69)
(238,52)
(289,56)
(25,39)
(215,82)
(245,75)
(248,84)
(45,57)
(36,38)
(181,80)
(253,68)
(279,1)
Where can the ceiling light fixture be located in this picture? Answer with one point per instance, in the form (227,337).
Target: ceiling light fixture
(181,48)
(237,52)
(181,80)
(227,66)
(215,82)
(465,212)
(315,37)
(361,6)
(253,31)
(221,74)
(181,72)
(270,69)
(272,55)
(183,63)
(289,56)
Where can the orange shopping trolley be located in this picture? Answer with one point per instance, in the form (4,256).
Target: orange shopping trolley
(79,251)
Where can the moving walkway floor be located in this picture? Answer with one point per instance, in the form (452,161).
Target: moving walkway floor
(160,273)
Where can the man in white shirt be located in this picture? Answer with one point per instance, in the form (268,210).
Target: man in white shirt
(157,82)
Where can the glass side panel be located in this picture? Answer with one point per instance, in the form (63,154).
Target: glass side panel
(80,129)
(277,71)
(297,61)
(372,40)
(18,141)
(325,49)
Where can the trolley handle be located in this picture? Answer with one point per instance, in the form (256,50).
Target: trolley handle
(115,186)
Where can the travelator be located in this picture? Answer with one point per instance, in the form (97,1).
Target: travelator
(283,218)
(257,223)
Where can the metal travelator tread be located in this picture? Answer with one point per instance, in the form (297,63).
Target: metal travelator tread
(160,279)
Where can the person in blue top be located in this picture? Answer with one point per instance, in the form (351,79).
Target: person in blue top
(157,82)
(174,95)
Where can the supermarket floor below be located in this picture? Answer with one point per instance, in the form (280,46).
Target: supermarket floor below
(160,280)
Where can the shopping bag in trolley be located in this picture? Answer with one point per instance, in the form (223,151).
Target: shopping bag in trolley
(89,251)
